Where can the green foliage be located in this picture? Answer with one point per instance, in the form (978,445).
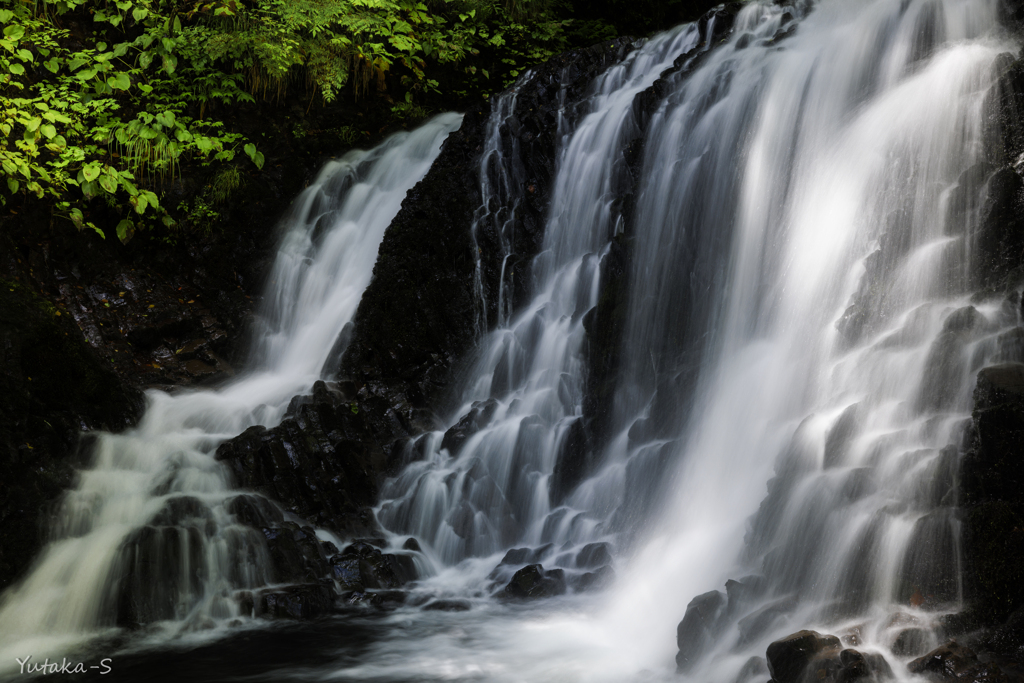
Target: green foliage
(104,100)
(104,122)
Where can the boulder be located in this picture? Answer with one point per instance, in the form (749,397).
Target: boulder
(532,582)
(790,658)
(699,625)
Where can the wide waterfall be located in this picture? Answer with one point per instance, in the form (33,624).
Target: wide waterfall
(779,222)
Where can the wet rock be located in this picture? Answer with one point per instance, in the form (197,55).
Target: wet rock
(910,642)
(532,582)
(322,464)
(524,555)
(161,574)
(992,496)
(52,385)
(594,555)
(255,511)
(756,668)
(1000,235)
(305,601)
(296,554)
(412,544)
(573,464)
(421,312)
(377,569)
(954,662)
(455,605)
(347,573)
(756,624)
(475,420)
(595,580)
(699,625)
(791,657)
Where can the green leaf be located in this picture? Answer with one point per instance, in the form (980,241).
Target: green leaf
(14,32)
(33,123)
(25,55)
(168,221)
(250,150)
(108,184)
(140,13)
(166,119)
(145,59)
(124,4)
(125,231)
(140,203)
(52,65)
(76,217)
(16,69)
(100,232)
(76,62)
(170,63)
(85,74)
(119,82)
(177,25)
(168,44)
(91,172)
(48,130)
(258,160)
(12,185)
(148,133)
(5,15)
(35,188)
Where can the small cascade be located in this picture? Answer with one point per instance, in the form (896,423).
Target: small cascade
(151,533)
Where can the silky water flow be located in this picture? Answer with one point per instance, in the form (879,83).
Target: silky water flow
(800,337)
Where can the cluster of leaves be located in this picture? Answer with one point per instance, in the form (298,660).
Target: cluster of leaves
(104,99)
(83,119)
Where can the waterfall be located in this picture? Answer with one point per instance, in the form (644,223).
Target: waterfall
(801,332)
(739,384)
(148,525)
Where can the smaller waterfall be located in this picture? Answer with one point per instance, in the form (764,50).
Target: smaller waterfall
(148,534)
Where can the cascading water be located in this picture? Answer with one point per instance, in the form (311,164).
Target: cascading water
(120,541)
(799,341)
(800,321)
(494,491)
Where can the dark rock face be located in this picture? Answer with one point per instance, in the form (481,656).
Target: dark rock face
(53,386)
(420,314)
(791,657)
(322,463)
(808,656)
(992,495)
(954,662)
(532,582)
